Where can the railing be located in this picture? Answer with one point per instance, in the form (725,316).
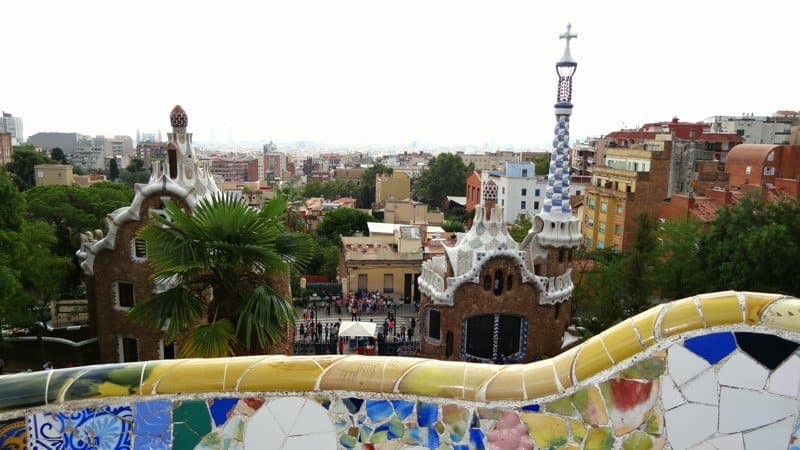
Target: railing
(707,370)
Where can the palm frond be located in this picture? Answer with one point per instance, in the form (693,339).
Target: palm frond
(295,248)
(177,309)
(275,209)
(210,340)
(265,314)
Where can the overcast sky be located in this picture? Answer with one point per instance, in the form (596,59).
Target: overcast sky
(390,72)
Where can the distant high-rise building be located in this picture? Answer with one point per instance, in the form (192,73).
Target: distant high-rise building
(68,142)
(13,126)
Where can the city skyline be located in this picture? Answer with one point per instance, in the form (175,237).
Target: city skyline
(361,73)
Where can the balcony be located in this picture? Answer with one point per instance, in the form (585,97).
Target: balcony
(275,401)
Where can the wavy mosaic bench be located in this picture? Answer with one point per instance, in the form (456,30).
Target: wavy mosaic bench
(717,371)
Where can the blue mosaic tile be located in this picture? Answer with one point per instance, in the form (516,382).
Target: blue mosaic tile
(411,436)
(461,447)
(402,408)
(353,404)
(220,407)
(532,408)
(433,438)
(107,428)
(377,410)
(476,421)
(13,434)
(151,425)
(476,438)
(427,414)
(711,347)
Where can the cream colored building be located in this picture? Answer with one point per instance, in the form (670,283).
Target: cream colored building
(389,264)
(396,186)
(410,213)
(47,174)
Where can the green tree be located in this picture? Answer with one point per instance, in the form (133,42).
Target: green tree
(519,230)
(366,196)
(639,265)
(136,172)
(453,226)
(113,170)
(679,271)
(754,245)
(446,175)
(343,222)
(541,164)
(216,262)
(23,160)
(58,156)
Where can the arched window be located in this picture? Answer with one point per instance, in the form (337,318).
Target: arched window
(492,337)
(498,282)
(509,282)
(487,282)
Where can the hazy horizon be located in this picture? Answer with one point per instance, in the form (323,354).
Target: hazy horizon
(359,73)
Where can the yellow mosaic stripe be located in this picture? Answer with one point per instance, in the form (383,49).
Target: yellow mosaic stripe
(458,380)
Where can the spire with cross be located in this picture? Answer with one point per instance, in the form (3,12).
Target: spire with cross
(567,36)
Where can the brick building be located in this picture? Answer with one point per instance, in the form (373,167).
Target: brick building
(489,298)
(763,164)
(634,180)
(115,265)
(473,190)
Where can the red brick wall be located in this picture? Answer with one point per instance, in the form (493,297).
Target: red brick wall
(544,331)
(473,191)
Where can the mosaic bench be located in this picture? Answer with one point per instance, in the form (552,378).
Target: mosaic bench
(717,371)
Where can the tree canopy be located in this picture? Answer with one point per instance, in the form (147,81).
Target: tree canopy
(113,170)
(136,172)
(519,230)
(23,160)
(367,191)
(230,291)
(343,222)
(58,156)
(446,174)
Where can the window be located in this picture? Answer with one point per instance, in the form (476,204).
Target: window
(747,170)
(537,193)
(130,349)
(524,192)
(498,282)
(617,229)
(619,208)
(590,222)
(590,202)
(601,228)
(139,248)
(767,171)
(491,337)
(509,282)
(388,283)
(362,282)
(628,187)
(536,205)
(588,241)
(39,174)
(487,282)
(603,207)
(125,298)
(523,204)
(434,324)
(169,350)
(600,244)
(771,156)
(524,174)
(504,189)
(503,202)
(616,248)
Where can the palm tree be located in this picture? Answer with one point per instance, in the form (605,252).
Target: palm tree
(215,271)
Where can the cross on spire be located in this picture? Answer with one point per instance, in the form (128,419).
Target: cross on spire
(567,36)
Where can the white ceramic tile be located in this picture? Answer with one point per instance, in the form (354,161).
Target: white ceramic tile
(670,396)
(703,389)
(286,410)
(728,442)
(786,378)
(321,441)
(684,365)
(313,419)
(690,424)
(262,431)
(740,370)
(704,446)
(742,410)
(776,435)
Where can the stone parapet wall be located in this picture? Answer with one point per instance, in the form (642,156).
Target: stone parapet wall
(720,369)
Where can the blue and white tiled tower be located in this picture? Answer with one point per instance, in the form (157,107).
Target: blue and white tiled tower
(555,225)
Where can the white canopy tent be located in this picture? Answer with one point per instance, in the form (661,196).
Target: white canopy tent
(357,329)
